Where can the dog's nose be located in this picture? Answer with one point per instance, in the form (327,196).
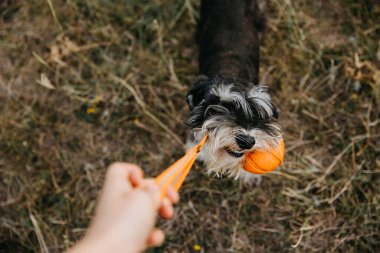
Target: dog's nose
(245,141)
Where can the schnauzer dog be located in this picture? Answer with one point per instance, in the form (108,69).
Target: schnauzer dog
(225,100)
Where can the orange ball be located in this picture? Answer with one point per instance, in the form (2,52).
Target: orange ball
(264,161)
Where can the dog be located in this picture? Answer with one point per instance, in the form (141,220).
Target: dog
(226,100)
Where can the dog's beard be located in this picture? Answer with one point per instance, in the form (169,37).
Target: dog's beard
(225,112)
(221,154)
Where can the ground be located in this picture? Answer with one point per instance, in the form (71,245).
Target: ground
(85,83)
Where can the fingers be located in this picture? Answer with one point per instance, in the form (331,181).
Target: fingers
(172,195)
(127,176)
(136,177)
(166,210)
(156,238)
(124,175)
(120,179)
(152,189)
(124,170)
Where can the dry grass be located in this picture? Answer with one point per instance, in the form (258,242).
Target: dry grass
(85,83)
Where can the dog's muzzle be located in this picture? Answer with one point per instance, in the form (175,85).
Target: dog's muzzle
(245,142)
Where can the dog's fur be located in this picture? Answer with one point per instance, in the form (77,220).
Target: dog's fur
(225,100)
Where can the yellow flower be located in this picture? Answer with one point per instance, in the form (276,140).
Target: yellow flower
(90,110)
(197,247)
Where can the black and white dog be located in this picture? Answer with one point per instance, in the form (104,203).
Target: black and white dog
(225,100)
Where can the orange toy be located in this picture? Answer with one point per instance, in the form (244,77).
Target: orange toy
(264,161)
(257,162)
(177,172)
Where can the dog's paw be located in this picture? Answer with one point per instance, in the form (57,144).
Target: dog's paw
(249,179)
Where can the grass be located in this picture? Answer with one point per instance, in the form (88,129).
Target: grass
(85,83)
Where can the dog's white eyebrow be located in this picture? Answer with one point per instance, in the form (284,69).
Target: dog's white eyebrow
(225,93)
(261,97)
(217,108)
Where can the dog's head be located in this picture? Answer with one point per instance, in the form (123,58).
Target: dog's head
(237,120)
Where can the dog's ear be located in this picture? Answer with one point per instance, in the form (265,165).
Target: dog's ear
(200,89)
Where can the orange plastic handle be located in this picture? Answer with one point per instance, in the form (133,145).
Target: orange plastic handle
(176,173)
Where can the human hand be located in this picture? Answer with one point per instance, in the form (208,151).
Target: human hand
(126,213)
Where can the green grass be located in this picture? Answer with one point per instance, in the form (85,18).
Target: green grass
(120,71)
